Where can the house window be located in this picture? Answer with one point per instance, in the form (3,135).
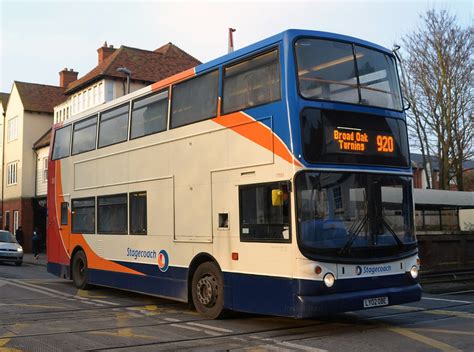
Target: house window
(15,220)
(45,170)
(337,194)
(12,172)
(12,129)
(7,221)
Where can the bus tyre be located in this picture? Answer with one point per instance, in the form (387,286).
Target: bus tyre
(79,271)
(208,290)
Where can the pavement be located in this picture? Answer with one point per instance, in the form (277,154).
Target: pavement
(30,259)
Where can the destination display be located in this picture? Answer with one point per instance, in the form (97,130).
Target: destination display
(349,139)
(344,137)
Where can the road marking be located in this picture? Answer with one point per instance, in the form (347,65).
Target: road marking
(423,339)
(212,333)
(106,302)
(54,293)
(36,306)
(31,289)
(86,294)
(445,300)
(209,327)
(457,292)
(288,344)
(125,332)
(454,313)
(442,331)
(171,319)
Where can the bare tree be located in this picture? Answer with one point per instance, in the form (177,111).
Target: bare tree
(438,70)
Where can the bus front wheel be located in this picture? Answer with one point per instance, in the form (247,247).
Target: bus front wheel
(79,271)
(208,290)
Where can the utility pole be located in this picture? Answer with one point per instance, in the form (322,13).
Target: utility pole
(231,40)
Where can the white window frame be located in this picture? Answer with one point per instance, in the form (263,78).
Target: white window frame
(12,173)
(16,218)
(12,129)
(45,170)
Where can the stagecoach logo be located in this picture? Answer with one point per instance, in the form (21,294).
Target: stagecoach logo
(372,270)
(163,260)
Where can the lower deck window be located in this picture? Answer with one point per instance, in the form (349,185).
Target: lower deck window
(83,215)
(112,214)
(138,213)
(265,212)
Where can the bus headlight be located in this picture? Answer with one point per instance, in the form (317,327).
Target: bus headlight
(329,280)
(414,272)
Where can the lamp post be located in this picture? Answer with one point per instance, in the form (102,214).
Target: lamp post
(128,73)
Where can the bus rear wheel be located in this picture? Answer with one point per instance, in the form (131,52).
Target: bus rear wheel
(208,290)
(79,271)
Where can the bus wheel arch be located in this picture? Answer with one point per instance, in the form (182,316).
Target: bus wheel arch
(206,286)
(79,269)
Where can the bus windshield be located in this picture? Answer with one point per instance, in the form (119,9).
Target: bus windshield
(354,215)
(344,72)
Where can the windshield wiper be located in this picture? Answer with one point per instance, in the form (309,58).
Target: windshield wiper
(353,235)
(394,235)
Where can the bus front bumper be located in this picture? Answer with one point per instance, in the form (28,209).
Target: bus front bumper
(311,306)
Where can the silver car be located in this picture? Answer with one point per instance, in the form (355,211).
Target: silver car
(10,250)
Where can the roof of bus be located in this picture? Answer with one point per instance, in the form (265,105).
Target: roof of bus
(289,35)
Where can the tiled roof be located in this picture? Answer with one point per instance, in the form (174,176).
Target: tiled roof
(146,66)
(43,141)
(40,97)
(4,99)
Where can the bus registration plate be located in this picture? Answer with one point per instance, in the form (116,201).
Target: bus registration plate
(375,302)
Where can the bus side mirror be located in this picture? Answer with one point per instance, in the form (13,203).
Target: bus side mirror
(277,197)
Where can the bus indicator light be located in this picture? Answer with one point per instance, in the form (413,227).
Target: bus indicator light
(235,256)
(318,270)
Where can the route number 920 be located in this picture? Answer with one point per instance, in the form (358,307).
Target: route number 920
(385,144)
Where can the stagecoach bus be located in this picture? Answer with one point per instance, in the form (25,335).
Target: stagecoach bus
(275,180)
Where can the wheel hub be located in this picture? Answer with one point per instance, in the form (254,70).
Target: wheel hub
(207,290)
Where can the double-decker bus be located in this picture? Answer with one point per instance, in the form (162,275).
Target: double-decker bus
(275,180)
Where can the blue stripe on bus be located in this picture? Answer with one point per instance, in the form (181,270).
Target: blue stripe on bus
(263,294)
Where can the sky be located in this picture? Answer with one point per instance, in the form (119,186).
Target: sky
(38,39)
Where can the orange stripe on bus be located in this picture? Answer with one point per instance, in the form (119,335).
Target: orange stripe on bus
(256,132)
(72,241)
(173,79)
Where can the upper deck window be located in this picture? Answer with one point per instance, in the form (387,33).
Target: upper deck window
(84,135)
(113,126)
(344,72)
(252,82)
(149,115)
(62,140)
(195,100)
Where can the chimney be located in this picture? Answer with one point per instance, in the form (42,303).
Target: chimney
(67,76)
(105,51)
